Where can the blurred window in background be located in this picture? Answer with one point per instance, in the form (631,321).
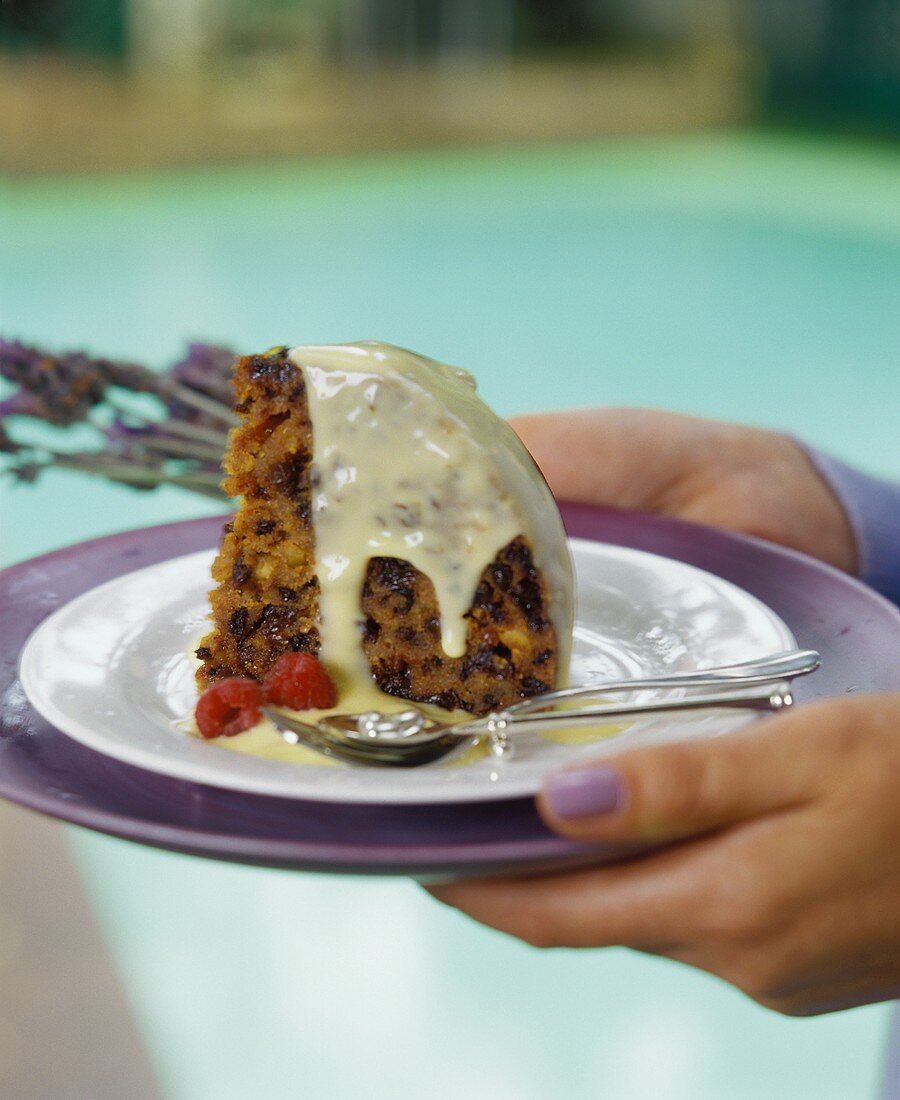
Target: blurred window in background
(75,26)
(831,61)
(94,84)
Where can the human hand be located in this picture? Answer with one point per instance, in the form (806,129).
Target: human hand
(727,475)
(781,872)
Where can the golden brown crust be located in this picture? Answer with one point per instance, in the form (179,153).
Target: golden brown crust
(267,597)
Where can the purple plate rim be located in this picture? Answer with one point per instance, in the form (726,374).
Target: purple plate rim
(721,552)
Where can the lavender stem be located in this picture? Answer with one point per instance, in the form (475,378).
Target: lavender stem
(178,448)
(136,475)
(208,405)
(171,426)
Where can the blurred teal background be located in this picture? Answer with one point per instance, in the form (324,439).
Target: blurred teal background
(584,204)
(741,276)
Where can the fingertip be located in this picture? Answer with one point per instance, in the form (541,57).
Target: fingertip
(581,800)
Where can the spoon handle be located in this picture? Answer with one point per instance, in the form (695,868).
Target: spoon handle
(780,666)
(760,698)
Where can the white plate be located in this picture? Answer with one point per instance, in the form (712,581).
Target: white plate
(114,669)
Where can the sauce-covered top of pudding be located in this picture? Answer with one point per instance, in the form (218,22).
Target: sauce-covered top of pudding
(409,463)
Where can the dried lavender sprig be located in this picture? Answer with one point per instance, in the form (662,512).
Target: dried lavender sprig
(126,440)
(67,386)
(181,448)
(169,386)
(137,476)
(170,437)
(72,383)
(144,451)
(132,376)
(216,437)
(207,367)
(212,436)
(24,403)
(170,390)
(184,449)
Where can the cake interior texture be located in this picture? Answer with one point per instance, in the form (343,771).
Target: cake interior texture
(267,598)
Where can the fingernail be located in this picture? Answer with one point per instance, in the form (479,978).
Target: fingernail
(586,792)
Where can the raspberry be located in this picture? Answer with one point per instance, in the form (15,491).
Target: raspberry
(299,681)
(229,707)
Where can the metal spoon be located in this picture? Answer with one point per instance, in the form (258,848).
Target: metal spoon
(431,745)
(375,726)
(411,737)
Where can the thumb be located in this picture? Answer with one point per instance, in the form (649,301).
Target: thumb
(669,792)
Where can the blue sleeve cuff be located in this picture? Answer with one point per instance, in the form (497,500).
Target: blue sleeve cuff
(873,509)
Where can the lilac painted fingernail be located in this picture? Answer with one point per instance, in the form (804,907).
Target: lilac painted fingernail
(586,792)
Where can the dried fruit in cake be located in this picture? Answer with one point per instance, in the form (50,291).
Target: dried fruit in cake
(390,524)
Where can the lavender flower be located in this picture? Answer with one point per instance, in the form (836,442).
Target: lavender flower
(207,368)
(180,445)
(67,385)
(24,403)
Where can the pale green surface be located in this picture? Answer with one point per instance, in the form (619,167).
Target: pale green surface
(742,277)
